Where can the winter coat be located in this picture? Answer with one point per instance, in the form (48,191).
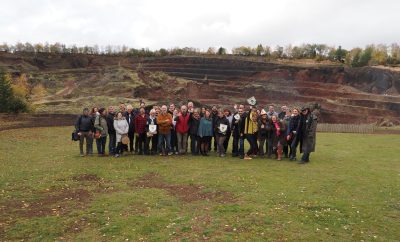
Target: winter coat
(218,121)
(238,125)
(182,123)
(205,127)
(194,125)
(100,123)
(131,122)
(264,129)
(309,131)
(164,123)
(121,127)
(151,121)
(110,123)
(84,123)
(282,136)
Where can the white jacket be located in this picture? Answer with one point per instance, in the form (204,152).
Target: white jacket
(121,127)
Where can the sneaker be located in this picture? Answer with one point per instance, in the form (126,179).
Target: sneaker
(116,155)
(170,153)
(246,157)
(222,155)
(82,155)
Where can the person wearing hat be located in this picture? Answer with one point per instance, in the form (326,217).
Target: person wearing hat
(121,127)
(308,131)
(84,127)
(264,129)
(101,125)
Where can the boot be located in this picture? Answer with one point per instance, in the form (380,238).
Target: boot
(279,152)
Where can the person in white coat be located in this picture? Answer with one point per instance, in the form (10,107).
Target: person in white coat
(121,128)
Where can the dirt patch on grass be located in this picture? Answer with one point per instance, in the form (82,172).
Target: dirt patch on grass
(52,203)
(86,177)
(186,193)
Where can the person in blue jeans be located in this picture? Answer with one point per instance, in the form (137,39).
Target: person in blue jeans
(101,125)
(164,121)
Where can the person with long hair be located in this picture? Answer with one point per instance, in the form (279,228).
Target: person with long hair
(205,132)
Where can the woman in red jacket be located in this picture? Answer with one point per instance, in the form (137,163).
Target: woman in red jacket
(182,128)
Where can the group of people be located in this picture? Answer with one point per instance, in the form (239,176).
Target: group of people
(166,130)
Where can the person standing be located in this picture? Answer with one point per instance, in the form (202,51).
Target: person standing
(121,128)
(237,132)
(111,130)
(308,134)
(182,128)
(264,128)
(293,134)
(278,136)
(151,134)
(140,128)
(228,116)
(205,132)
(130,118)
(101,125)
(286,121)
(194,123)
(84,127)
(250,131)
(164,121)
(214,116)
(221,128)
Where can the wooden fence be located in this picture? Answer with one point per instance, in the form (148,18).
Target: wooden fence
(346,128)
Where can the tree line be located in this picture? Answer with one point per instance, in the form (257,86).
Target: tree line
(380,54)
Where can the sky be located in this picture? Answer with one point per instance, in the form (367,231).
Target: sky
(156,24)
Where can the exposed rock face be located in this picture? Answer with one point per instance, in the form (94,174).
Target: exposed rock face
(346,95)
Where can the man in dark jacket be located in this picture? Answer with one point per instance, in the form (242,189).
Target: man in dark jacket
(84,127)
(308,134)
(111,130)
(194,123)
(238,133)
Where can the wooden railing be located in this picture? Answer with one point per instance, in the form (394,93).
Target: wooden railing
(346,128)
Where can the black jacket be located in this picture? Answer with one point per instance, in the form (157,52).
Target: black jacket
(219,121)
(193,125)
(110,123)
(131,122)
(84,123)
(238,125)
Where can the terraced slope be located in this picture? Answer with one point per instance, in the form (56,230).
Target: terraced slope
(344,95)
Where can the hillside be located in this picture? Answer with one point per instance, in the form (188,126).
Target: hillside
(344,95)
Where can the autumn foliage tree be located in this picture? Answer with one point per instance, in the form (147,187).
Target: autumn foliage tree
(10,102)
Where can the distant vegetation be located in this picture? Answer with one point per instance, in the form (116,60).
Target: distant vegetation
(13,95)
(381,54)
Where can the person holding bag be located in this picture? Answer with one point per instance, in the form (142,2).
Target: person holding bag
(101,131)
(121,127)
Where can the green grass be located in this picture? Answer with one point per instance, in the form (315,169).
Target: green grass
(349,192)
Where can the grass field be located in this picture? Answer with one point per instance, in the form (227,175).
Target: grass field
(349,192)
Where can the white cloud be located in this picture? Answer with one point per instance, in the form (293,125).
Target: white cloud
(200,24)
